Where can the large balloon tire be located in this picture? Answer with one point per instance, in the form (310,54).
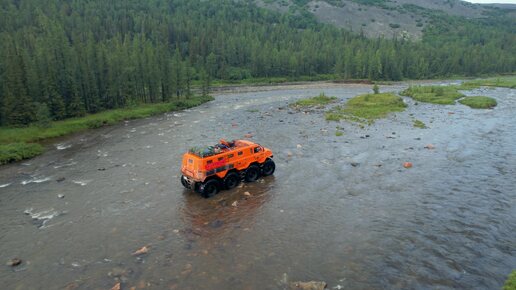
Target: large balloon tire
(210,188)
(231,180)
(268,167)
(252,173)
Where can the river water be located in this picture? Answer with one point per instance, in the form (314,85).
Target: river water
(340,209)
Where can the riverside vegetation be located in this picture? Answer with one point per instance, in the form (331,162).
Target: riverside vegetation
(62,62)
(19,143)
(448,95)
(320,100)
(367,108)
(479,102)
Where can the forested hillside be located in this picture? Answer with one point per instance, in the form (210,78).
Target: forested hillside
(65,58)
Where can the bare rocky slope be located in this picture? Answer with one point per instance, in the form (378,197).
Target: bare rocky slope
(373,18)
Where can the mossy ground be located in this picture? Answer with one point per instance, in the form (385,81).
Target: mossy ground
(479,102)
(419,124)
(17,143)
(510,284)
(367,108)
(442,95)
(320,100)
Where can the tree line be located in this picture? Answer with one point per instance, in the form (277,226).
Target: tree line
(66,58)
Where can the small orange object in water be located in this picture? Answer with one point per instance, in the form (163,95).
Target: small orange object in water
(141,251)
(407,164)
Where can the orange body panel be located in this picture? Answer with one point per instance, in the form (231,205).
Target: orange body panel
(237,157)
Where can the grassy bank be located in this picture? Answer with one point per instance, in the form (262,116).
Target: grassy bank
(442,95)
(18,151)
(320,100)
(479,102)
(271,80)
(367,108)
(505,81)
(510,284)
(17,143)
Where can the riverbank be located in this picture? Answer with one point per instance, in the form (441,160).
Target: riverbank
(17,144)
(21,143)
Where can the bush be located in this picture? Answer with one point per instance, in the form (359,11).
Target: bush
(376,89)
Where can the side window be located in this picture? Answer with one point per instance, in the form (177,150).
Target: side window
(257,149)
(210,161)
(221,158)
(190,161)
(240,153)
(231,155)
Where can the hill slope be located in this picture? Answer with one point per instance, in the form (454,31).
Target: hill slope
(65,58)
(388,18)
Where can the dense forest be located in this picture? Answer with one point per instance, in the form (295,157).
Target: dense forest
(66,58)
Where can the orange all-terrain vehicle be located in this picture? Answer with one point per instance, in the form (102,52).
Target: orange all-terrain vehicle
(207,170)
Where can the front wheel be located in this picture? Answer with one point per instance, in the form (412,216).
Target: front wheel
(268,167)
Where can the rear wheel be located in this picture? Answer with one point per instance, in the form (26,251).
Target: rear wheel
(210,188)
(184,182)
(268,167)
(231,180)
(252,173)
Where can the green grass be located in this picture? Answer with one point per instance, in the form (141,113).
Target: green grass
(339,133)
(510,284)
(18,151)
(271,80)
(12,138)
(505,81)
(479,102)
(367,108)
(320,100)
(442,95)
(419,124)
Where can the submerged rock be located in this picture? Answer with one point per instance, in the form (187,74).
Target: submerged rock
(216,224)
(312,285)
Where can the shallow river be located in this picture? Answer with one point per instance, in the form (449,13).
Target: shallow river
(340,209)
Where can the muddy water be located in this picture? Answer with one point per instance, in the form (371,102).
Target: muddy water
(338,209)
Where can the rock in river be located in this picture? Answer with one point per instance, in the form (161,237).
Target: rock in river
(312,285)
(14,262)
